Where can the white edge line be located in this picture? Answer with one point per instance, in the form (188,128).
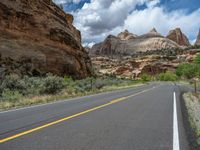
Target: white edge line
(175,125)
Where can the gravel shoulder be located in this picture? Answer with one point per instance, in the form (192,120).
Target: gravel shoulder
(192,107)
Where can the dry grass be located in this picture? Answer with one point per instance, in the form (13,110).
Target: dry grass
(192,101)
(65,94)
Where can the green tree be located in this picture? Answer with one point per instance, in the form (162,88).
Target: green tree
(197,59)
(145,77)
(167,76)
(187,70)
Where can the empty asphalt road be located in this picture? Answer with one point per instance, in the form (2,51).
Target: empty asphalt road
(142,118)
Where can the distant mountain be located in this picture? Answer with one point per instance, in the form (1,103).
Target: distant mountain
(128,44)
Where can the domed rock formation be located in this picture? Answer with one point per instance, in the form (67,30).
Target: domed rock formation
(152,33)
(177,36)
(126,35)
(113,45)
(198,39)
(39,35)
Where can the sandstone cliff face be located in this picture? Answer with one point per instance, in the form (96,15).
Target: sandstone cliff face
(37,37)
(198,39)
(177,36)
(129,46)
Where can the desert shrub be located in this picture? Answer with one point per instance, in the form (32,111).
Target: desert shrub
(52,84)
(14,83)
(168,76)
(68,80)
(84,85)
(145,77)
(34,84)
(11,95)
(99,83)
(91,83)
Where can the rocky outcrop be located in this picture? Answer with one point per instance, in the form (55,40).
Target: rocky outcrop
(177,36)
(198,39)
(38,33)
(126,35)
(124,45)
(151,34)
(129,67)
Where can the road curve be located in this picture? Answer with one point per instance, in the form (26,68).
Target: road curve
(140,118)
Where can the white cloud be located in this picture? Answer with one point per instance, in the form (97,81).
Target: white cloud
(66,1)
(152,3)
(100,18)
(140,22)
(88,44)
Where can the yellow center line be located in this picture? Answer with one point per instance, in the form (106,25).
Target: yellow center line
(69,117)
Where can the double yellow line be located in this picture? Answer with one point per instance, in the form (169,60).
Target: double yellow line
(69,117)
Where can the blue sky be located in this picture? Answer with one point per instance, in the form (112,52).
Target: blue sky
(74,6)
(98,18)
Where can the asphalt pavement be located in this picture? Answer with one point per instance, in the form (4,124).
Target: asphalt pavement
(142,118)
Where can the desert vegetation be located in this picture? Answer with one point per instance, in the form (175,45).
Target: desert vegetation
(189,70)
(192,102)
(18,91)
(184,71)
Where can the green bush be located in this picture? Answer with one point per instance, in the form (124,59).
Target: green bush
(187,70)
(197,59)
(145,77)
(68,80)
(52,84)
(168,76)
(11,95)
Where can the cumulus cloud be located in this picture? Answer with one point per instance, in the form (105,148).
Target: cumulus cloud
(100,18)
(140,22)
(104,15)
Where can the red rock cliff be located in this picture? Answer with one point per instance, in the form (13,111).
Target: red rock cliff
(177,36)
(37,37)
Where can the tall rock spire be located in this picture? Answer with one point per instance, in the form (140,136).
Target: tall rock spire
(179,37)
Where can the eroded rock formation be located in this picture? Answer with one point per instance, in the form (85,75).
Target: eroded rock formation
(129,67)
(40,33)
(177,36)
(198,39)
(129,44)
(126,35)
